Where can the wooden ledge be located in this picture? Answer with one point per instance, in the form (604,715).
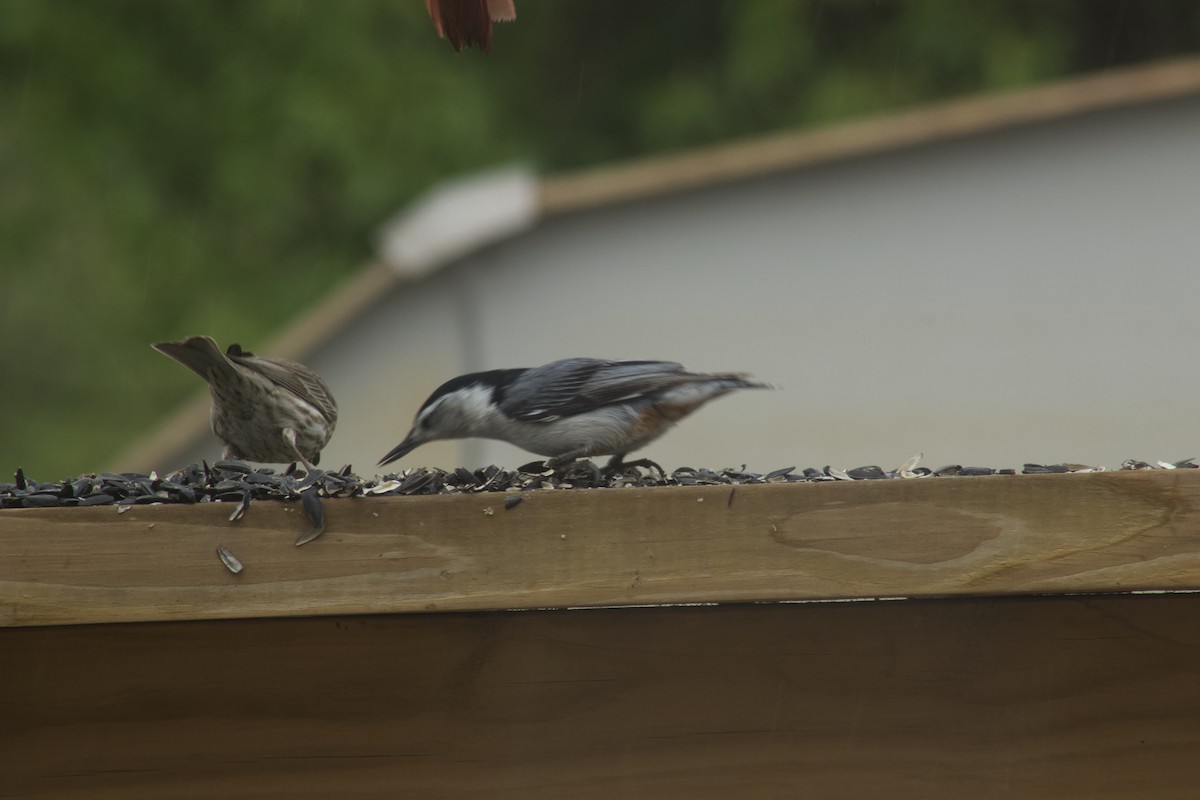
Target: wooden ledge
(1095,532)
(984,698)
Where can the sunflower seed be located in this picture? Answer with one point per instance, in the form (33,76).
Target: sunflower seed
(871,473)
(229,559)
(311,502)
(240,511)
(40,501)
(910,465)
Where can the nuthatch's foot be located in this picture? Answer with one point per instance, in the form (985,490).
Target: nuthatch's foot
(618,464)
(570,469)
(566,459)
(576,468)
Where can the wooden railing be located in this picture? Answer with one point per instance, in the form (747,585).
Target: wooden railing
(997,678)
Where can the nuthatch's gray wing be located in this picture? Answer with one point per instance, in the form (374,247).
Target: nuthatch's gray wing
(577,385)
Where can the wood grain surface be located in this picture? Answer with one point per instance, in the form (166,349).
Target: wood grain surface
(1047,697)
(922,537)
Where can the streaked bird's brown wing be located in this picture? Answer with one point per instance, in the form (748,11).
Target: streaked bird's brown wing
(295,378)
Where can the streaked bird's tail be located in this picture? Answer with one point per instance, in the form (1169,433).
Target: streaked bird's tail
(201,355)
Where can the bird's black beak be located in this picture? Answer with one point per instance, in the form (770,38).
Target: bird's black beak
(409,444)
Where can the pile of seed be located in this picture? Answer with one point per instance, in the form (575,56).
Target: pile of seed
(239,482)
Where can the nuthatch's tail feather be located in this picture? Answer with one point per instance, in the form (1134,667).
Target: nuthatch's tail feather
(738,380)
(696,389)
(201,355)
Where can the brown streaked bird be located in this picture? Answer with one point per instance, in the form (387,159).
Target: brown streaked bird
(469,22)
(264,409)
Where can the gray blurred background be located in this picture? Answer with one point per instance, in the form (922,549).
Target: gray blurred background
(967,231)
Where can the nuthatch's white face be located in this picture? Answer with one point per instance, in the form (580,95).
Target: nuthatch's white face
(454,415)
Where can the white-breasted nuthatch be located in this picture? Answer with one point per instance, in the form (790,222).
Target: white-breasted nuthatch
(568,409)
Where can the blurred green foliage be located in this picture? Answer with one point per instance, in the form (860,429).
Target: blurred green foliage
(170,167)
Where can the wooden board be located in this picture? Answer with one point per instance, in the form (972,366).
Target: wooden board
(920,537)
(1051,697)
